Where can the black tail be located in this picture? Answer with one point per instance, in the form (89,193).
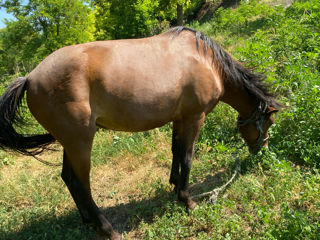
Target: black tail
(10,103)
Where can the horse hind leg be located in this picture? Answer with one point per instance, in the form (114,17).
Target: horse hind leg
(75,131)
(67,115)
(75,174)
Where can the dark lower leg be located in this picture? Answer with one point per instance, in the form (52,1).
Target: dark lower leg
(183,193)
(89,211)
(188,131)
(175,175)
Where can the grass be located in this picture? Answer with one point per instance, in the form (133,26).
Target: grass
(37,205)
(271,199)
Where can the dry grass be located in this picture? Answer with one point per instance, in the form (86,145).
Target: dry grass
(32,186)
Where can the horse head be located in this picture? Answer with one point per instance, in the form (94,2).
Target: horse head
(255,128)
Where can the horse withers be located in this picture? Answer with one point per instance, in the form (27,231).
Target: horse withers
(133,85)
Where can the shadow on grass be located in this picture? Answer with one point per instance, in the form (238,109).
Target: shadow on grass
(209,183)
(48,227)
(123,217)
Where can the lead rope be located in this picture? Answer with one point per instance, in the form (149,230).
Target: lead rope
(215,192)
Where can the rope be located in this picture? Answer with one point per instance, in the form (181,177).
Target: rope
(215,192)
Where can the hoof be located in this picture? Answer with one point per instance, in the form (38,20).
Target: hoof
(115,236)
(191,205)
(184,197)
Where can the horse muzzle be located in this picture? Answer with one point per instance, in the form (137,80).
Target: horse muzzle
(255,148)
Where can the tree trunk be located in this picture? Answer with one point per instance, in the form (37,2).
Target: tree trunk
(210,6)
(179,15)
(58,26)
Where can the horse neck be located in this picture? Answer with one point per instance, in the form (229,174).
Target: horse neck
(239,99)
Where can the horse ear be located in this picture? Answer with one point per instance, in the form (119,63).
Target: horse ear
(272,110)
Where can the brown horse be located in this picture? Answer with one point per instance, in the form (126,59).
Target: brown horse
(133,85)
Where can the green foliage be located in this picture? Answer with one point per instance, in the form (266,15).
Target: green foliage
(169,8)
(18,39)
(42,26)
(137,18)
(219,127)
(125,19)
(245,20)
(112,145)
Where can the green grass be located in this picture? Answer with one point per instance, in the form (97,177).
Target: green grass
(277,194)
(271,199)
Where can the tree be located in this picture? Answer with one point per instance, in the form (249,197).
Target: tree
(138,18)
(179,10)
(125,19)
(19,45)
(179,14)
(43,26)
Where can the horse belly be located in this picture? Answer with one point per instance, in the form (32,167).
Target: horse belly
(134,114)
(136,125)
(139,87)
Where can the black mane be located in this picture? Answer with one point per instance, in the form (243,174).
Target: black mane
(232,70)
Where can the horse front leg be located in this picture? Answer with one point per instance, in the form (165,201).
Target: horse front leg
(175,148)
(187,133)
